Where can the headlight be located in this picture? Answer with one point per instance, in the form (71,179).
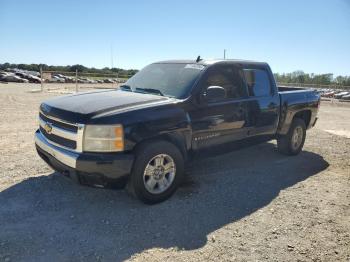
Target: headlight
(102,138)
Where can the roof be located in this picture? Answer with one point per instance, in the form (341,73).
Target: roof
(213,61)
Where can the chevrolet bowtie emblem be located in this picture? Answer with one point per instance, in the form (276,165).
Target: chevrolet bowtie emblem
(48,128)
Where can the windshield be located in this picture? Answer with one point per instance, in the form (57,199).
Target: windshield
(174,80)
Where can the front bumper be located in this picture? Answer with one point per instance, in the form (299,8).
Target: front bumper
(98,165)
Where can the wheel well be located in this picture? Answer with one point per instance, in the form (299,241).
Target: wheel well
(173,139)
(305,115)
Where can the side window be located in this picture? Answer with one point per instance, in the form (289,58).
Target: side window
(258,82)
(228,77)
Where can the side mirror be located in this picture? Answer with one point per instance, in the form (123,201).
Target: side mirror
(215,93)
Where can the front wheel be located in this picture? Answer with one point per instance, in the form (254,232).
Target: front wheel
(157,172)
(292,143)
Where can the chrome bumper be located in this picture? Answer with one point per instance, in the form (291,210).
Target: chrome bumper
(66,157)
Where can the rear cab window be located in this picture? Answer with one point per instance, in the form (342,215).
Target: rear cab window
(258,82)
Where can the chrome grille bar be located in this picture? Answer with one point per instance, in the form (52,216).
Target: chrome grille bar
(64,156)
(59,131)
(62,132)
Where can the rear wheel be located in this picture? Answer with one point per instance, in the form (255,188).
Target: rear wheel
(293,142)
(157,172)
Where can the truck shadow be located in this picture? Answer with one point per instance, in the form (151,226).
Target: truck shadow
(73,222)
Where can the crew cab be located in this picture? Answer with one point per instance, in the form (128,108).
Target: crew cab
(144,131)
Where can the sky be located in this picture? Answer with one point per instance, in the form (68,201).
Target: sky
(308,35)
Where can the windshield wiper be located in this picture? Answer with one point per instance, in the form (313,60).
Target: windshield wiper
(149,90)
(125,88)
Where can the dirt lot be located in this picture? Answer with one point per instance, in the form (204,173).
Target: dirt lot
(251,204)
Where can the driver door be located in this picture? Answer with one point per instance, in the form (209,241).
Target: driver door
(222,121)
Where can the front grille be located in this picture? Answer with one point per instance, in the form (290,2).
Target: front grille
(61,133)
(69,127)
(59,140)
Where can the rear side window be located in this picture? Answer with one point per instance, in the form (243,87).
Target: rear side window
(258,82)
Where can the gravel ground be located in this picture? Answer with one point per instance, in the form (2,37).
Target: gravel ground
(251,204)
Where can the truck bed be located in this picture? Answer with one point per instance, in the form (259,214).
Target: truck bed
(291,100)
(292,96)
(289,88)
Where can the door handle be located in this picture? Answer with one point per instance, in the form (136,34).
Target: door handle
(272,105)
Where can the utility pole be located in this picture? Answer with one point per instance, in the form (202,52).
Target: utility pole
(112,61)
(42,79)
(224,53)
(76,81)
(111,56)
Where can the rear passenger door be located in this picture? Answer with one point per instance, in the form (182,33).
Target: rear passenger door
(263,101)
(221,121)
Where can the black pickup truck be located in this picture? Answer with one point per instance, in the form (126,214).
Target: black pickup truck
(146,130)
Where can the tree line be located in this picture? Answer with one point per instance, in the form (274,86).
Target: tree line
(70,68)
(300,77)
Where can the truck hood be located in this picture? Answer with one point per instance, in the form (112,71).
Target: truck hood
(81,107)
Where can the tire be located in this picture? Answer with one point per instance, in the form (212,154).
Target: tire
(155,184)
(286,144)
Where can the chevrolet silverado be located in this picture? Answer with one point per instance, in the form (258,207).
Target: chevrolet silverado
(145,130)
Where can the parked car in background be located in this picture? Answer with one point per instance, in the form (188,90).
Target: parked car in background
(29,77)
(59,75)
(57,79)
(34,79)
(14,78)
(329,94)
(83,81)
(69,79)
(346,97)
(2,74)
(341,94)
(108,81)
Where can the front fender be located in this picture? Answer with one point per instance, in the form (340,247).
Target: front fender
(172,123)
